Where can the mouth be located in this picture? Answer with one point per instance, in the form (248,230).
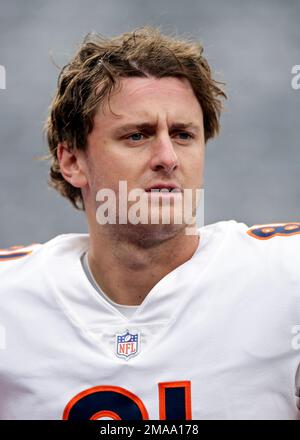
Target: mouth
(163,192)
(164,189)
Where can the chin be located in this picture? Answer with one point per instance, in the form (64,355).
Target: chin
(147,235)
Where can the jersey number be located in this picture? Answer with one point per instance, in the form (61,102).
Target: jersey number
(268,231)
(120,404)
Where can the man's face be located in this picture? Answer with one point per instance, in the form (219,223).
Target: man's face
(151,133)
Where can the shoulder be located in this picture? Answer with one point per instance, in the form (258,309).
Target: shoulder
(275,245)
(30,257)
(14,257)
(268,234)
(282,239)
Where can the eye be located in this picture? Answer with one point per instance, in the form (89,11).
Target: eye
(186,135)
(135,136)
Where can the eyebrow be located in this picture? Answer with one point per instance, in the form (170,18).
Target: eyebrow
(147,126)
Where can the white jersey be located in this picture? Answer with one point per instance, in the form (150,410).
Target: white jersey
(216,338)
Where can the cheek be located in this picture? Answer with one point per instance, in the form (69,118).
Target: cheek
(193,168)
(117,164)
(109,176)
(197,179)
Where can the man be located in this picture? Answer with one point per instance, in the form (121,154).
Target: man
(146,319)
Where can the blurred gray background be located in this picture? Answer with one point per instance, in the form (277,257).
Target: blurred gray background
(252,169)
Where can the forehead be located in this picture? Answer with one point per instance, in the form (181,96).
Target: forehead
(153,98)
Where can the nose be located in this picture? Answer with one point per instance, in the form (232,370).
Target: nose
(163,155)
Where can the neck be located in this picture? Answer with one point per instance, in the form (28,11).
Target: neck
(127,266)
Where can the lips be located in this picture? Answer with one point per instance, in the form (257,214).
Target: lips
(163,187)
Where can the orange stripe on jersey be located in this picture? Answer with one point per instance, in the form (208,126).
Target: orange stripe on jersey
(162,397)
(15,252)
(13,255)
(267,231)
(101,414)
(115,389)
(19,246)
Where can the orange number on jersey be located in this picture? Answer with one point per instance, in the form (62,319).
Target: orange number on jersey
(265,232)
(120,404)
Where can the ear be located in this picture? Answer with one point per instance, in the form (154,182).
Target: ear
(71,165)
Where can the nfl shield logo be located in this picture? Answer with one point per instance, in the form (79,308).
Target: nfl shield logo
(127,345)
